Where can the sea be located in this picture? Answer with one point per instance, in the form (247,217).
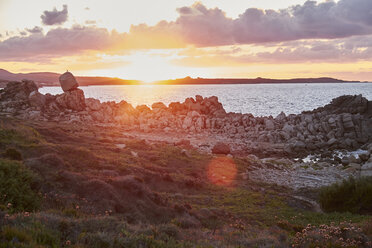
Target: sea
(257,99)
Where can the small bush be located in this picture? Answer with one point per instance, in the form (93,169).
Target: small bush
(352,195)
(13,154)
(18,187)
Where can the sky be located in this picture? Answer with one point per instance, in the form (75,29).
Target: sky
(165,39)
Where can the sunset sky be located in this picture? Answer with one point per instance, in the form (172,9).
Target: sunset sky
(164,39)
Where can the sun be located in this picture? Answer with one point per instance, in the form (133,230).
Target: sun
(147,66)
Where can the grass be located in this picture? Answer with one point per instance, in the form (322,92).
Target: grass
(34,235)
(18,134)
(18,187)
(352,195)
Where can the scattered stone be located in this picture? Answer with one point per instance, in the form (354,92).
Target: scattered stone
(185,153)
(366,169)
(221,148)
(121,146)
(364,156)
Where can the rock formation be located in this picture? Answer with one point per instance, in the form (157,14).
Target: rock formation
(345,123)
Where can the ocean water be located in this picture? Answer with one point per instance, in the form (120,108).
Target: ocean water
(258,99)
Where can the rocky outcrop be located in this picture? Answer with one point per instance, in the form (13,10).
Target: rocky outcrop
(345,123)
(73,100)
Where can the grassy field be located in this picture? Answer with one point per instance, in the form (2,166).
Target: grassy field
(87,186)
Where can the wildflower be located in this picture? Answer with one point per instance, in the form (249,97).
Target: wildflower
(68,242)
(9,205)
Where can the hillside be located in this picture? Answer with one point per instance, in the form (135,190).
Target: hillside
(51,79)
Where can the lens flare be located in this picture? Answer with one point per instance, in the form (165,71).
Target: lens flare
(222,171)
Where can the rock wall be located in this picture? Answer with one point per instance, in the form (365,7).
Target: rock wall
(345,123)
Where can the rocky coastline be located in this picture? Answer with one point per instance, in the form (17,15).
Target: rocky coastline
(344,124)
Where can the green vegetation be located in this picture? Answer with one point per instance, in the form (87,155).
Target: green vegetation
(18,187)
(143,194)
(352,195)
(34,235)
(13,154)
(18,135)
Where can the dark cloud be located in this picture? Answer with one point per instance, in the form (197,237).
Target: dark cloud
(34,30)
(55,17)
(59,42)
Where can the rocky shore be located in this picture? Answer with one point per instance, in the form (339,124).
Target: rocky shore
(344,124)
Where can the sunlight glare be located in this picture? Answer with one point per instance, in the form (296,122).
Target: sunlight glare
(222,171)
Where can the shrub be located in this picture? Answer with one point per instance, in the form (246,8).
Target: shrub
(18,187)
(13,154)
(352,195)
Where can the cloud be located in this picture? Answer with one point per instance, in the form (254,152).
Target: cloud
(34,30)
(55,17)
(291,34)
(344,50)
(201,26)
(90,22)
(59,42)
(80,39)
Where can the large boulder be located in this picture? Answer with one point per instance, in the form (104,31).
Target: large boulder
(73,100)
(346,104)
(68,82)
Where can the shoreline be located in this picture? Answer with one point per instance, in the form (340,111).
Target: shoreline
(212,84)
(345,123)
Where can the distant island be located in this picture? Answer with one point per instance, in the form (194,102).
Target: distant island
(51,79)
(259,80)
